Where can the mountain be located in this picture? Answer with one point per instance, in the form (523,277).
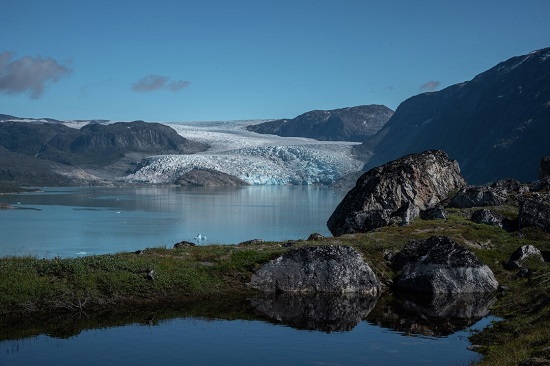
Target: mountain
(496,126)
(50,153)
(345,124)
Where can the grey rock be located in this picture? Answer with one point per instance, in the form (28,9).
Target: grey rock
(478,196)
(524,253)
(315,237)
(434,213)
(183,244)
(440,265)
(542,185)
(321,269)
(535,212)
(487,217)
(396,192)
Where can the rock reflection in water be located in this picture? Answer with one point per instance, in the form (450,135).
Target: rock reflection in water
(323,312)
(431,315)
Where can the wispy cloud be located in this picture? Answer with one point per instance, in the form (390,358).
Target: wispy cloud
(154,82)
(429,86)
(29,74)
(178,85)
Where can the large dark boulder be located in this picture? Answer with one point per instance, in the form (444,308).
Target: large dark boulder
(396,192)
(321,269)
(535,212)
(440,265)
(344,124)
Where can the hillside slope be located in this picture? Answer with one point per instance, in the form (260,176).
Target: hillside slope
(345,124)
(496,126)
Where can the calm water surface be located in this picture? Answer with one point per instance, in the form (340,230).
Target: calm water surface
(192,341)
(92,220)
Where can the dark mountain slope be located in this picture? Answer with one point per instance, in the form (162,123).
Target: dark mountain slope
(345,124)
(497,125)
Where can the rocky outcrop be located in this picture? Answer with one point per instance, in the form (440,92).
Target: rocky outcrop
(321,269)
(208,178)
(345,124)
(396,192)
(323,312)
(477,196)
(440,265)
(535,212)
(487,217)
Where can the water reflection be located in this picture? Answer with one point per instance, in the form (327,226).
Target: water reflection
(430,315)
(323,312)
(247,331)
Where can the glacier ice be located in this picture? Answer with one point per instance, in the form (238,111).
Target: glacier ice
(255,158)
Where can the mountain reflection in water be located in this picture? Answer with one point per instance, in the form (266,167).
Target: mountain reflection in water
(245,330)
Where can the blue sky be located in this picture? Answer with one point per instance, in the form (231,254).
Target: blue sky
(246,59)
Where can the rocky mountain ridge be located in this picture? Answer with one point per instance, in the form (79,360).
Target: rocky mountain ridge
(496,125)
(344,124)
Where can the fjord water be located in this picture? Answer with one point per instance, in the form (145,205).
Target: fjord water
(68,222)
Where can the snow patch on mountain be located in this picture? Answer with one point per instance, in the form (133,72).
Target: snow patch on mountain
(255,158)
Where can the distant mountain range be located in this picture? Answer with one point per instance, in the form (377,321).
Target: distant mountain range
(496,126)
(344,124)
(46,152)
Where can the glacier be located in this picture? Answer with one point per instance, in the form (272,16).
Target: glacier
(257,159)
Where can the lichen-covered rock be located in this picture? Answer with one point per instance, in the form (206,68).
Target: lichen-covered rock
(440,265)
(396,192)
(321,269)
(487,217)
(535,212)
